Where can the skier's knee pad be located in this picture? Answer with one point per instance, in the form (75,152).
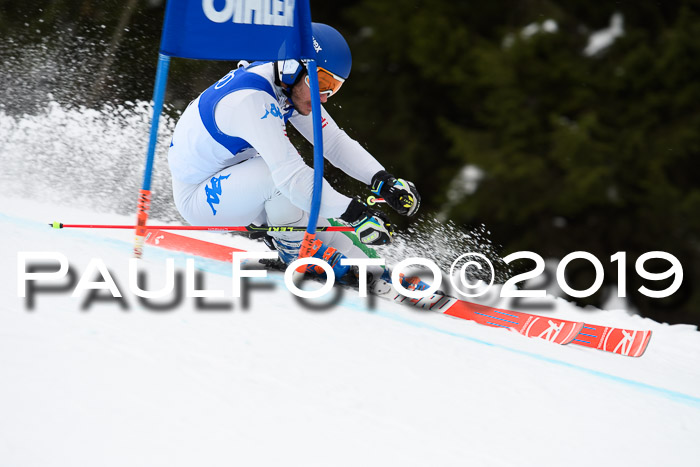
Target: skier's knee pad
(281,211)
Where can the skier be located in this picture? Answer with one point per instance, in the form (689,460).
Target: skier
(232,163)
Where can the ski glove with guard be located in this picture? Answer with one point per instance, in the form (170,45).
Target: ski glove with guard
(372,227)
(397,192)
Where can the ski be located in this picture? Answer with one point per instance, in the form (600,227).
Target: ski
(625,342)
(557,331)
(628,342)
(193,246)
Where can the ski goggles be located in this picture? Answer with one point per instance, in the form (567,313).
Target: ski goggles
(328,83)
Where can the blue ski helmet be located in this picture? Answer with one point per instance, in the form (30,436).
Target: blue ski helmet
(332,54)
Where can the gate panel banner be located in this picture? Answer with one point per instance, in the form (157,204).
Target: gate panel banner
(235,29)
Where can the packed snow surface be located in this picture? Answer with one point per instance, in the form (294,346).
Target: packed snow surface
(272,382)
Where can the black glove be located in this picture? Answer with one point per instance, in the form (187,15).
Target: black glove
(372,227)
(398,193)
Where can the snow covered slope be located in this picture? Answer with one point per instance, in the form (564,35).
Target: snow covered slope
(364,382)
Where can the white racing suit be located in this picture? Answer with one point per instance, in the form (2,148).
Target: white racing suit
(232,163)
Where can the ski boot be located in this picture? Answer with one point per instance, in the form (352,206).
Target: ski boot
(289,252)
(382,285)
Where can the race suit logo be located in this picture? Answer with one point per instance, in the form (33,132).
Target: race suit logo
(268,13)
(274,111)
(225,80)
(214,191)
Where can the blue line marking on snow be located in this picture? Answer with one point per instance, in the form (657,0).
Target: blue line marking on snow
(675,396)
(217,267)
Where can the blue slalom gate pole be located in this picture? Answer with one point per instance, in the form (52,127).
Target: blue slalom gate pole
(318,147)
(158,96)
(144,203)
(308,52)
(310,235)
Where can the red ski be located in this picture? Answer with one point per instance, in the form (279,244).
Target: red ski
(193,246)
(626,342)
(621,341)
(554,330)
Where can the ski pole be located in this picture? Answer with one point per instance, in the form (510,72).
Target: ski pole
(372,200)
(243,228)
